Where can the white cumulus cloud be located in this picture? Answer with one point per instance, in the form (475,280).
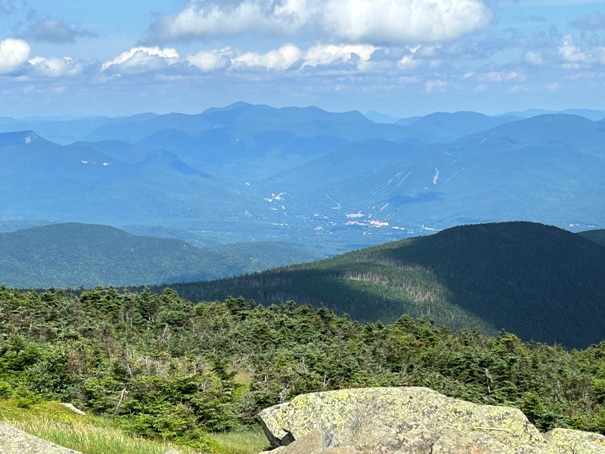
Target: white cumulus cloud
(13,54)
(286,58)
(408,62)
(379,22)
(202,19)
(576,57)
(213,60)
(323,55)
(56,67)
(404,21)
(572,54)
(280,59)
(142,59)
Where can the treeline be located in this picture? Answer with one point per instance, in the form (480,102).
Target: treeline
(540,282)
(164,367)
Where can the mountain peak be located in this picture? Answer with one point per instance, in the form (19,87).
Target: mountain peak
(549,129)
(8,139)
(450,126)
(234,106)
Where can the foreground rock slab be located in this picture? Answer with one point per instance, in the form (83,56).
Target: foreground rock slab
(15,441)
(410,420)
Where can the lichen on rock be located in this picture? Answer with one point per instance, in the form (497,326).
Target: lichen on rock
(407,419)
(573,441)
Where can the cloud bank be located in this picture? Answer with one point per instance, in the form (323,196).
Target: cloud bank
(56,67)
(377,22)
(371,50)
(142,60)
(403,21)
(576,57)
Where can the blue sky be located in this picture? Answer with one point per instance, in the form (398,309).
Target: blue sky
(398,57)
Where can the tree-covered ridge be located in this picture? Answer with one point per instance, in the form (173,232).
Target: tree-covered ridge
(74,255)
(594,235)
(538,281)
(162,366)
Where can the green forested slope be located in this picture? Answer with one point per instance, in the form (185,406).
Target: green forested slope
(540,282)
(74,255)
(161,366)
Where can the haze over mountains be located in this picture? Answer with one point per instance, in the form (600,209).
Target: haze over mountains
(248,187)
(329,181)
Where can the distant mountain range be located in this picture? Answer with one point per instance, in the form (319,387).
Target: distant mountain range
(332,182)
(591,114)
(447,127)
(537,281)
(74,255)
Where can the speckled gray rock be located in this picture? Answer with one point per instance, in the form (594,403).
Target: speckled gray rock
(410,420)
(566,441)
(312,443)
(474,443)
(15,441)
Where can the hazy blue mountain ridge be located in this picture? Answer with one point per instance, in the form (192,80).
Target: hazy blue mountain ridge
(245,118)
(446,127)
(42,180)
(591,114)
(74,255)
(513,171)
(551,129)
(159,160)
(306,176)
(10,139)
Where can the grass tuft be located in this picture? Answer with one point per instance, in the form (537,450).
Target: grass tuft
(97,435)
(251,441)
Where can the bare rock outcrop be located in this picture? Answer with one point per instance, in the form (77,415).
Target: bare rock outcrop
(15,441)
(573,441)
(410,420)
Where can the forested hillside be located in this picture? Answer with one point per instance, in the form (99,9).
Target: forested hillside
(74,255)
(594,235)
(538,281)
(161,366)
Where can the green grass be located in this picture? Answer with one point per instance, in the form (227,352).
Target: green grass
(251,441)
(97,435)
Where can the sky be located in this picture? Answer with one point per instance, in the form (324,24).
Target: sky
(397,57)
